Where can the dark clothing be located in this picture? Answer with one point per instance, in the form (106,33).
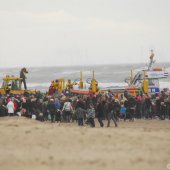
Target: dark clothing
(100,121)
(106,111)
(100,113)
(67,116)
(112,115)
(25,85)
(130,104)
(112,109)
(116,110)
(94,100)
(23,77)
(80,115)
(80,104)
(22,74)
(91,122)
(148,106)
(58,116)
(158,107)
(24,105)
(3,111)
(44,110)
(163,110)
(100,110)
(52,110)
(80,121)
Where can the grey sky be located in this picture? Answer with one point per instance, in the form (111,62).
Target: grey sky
(72,32)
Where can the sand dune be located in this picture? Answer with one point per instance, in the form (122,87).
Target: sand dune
(29,144)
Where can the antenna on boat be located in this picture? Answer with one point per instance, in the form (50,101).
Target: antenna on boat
(151,60)
(81,80)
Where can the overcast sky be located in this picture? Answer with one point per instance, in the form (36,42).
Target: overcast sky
(78,32)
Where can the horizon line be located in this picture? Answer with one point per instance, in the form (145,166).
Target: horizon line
(79,65)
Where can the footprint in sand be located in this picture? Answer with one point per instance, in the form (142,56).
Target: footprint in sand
(27,131)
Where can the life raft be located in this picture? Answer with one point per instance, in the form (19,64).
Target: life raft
(157,69)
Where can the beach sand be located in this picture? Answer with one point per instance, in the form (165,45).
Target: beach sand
(28,144)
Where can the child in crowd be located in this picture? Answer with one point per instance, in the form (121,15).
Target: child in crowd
(123,112)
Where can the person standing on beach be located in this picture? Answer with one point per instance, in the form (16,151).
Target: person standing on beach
(100,112)
(3,110)
(80,112)
(58,110)
(111,113)
(11,108)
(52,109)
(67,109)
(23,77)
(91,115)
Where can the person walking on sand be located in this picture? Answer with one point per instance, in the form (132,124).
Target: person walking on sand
(23,77)
(100,112)
(111,114)
(52,110)
(80,112)
(91,115)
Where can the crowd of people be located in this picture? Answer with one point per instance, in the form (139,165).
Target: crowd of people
(83,109)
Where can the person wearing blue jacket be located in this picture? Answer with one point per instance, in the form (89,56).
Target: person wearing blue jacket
(58,110)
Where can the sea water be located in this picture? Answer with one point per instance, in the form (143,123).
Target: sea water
(107,75)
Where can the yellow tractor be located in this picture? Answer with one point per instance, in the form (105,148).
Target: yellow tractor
(12,85)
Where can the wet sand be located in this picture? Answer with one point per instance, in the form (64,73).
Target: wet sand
(28,144)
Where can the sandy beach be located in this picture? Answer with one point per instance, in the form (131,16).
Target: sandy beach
(29,144)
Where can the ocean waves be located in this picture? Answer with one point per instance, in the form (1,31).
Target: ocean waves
(107,75)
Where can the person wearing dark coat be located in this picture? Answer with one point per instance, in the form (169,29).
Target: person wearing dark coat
(52,109)
(112,113)
(3,110)
(25,107)
(80,104)
(58,110)
(131,105)
(80,115)
(148,106)
(23,77)
(100,113)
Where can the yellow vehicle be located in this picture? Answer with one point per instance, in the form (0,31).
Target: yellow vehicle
(57,85)
(70,85)
(12,85)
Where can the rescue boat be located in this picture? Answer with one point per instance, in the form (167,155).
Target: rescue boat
(145,80)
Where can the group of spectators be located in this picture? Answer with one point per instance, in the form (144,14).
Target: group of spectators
(84,109)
